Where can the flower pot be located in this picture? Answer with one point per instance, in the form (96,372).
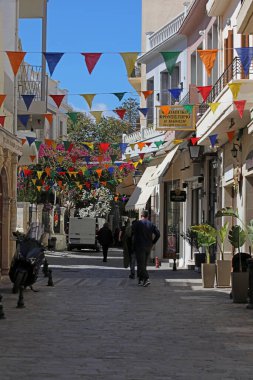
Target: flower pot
(208,275)
(223,273)
(240,286)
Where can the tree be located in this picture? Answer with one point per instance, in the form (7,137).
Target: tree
(132,116)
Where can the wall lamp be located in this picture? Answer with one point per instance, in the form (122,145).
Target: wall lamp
(236,148)
(194,151)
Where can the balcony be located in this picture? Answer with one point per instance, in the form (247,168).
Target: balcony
(135,79)
(32,8)
(245,18)
(220,121)
(217,7)
(29,82)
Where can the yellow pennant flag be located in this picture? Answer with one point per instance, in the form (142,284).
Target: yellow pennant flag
(89,98)
(39,188)
(208,57)
(54,144)
(234,88)
(129,59)
(77,183)
(60,159)
(165,110)
(89,145)
(80,187)
(135,164)
(97,115)
(177,141)
(132,146)
(39,174)
(34,181)
(83,169)
(214,106)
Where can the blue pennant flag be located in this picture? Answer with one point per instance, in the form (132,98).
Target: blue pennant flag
(213,139)
(24,119)
(111,169)
(87,159)
(28,100)
(30,140)
(96,185)
(144,111)
(245,54)
(52,60)
(123,147)
(175,92)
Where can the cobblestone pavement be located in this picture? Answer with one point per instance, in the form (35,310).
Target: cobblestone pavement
(96,323)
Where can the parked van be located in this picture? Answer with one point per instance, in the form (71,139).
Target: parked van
(83,232)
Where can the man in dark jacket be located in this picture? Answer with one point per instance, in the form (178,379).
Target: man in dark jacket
(105,238)
(145,235)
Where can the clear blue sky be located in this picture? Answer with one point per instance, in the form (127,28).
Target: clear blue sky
(92,26)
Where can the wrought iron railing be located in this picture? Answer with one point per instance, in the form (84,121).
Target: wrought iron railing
(29,81)
(233,71)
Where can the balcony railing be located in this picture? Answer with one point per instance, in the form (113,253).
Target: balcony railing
(29,81)
(167,31)
(233,71)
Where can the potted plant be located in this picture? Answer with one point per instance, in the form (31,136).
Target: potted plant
(191,238)
(240,275)
(223,267)
(206,236)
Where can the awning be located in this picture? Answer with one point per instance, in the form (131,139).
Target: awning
(156,177)
(142,192)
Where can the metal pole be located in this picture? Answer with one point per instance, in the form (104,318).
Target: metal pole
(44,49)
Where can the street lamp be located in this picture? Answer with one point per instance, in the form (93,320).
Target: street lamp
(235,150)
(194,151)
(137,176)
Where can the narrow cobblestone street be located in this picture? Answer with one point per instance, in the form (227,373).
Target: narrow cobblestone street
(96,323)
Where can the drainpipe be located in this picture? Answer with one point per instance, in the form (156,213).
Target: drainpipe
(44,49)
(15,82)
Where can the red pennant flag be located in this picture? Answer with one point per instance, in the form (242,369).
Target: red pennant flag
(120,113)
(48,142)
(47,187)
(74,158)
(57,99)
(240,105)
(2,120)
(49,117)
(231,135)
(104,147)
(27,172)
(2,99)
(194,140)
(141,155)
(15,58)
(204,91)
(91,60)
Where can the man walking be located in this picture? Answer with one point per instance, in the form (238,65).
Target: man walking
(105,238)
(145,235)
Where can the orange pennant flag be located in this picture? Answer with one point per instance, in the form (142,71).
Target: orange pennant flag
(147,93)
(49,117)
(141,145)
(2,99)
(165,110)
(15,58)
(48,142)
(99,172)
(100,159)
(208,57)
(39,188)
(48,171)
(230,135)
(32,158)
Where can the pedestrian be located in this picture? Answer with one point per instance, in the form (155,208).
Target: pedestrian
(145,235)
(105,238)
(125,245)
(130,249)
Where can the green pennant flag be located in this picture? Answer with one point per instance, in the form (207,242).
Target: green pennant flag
(115,145)
(158,143)
(38,144)
(113,157)
(119,95)
(188,108)
(170,58)
(66,144)
(72,116)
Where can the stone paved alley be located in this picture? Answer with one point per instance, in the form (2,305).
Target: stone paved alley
(96,323)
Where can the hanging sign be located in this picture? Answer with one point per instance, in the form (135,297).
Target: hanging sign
(177,119)
(177,195)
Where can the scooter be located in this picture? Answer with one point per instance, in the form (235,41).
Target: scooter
(26,262)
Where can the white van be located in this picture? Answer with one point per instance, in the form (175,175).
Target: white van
(83,233)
